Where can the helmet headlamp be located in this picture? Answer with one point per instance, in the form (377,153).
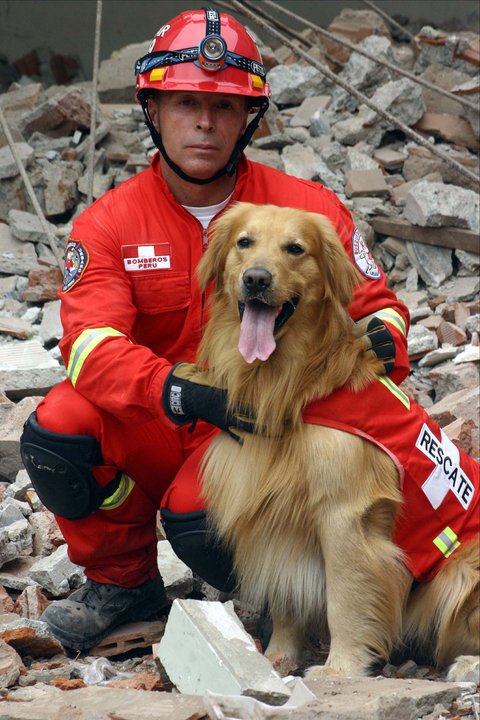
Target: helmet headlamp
(211,52)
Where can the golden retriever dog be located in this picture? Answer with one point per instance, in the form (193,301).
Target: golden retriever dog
(307,510)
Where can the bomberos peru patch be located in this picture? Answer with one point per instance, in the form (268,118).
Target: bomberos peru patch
(137,258)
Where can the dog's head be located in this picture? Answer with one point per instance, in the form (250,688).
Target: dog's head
(268,261)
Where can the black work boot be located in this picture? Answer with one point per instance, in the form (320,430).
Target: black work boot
(94,610)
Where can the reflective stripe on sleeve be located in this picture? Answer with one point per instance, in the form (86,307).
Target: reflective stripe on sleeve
(86,342)
(447,542)
(123,490)
(393,317)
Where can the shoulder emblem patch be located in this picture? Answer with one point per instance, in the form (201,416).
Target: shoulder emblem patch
(363,257)
(76,260)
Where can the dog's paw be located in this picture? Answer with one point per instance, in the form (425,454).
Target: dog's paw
(315,672)
(466,668)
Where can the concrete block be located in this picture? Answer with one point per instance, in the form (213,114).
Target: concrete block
(205,647)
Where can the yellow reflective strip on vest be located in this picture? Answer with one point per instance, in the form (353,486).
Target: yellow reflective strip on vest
(83,346)
(399,394)
(393,317)
(447,542)
(123,490)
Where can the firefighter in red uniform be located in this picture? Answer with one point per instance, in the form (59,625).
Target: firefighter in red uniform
(104,446)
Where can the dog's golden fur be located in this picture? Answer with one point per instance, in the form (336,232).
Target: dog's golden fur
(307,510)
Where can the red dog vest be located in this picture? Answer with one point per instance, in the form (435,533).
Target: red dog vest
(440,483)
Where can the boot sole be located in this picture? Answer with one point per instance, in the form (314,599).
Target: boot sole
(133,615)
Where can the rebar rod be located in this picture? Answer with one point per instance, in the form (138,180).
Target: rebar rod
(93,107)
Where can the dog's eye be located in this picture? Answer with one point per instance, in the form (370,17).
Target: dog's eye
(244,242)
(295,249)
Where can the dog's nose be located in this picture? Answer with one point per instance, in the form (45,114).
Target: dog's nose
(256,280)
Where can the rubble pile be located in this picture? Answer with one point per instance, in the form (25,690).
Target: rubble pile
(418,215)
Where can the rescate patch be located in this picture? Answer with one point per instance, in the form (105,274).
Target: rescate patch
(363,257)
(76,260)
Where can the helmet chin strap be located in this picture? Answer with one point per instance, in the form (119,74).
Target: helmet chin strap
(228,169)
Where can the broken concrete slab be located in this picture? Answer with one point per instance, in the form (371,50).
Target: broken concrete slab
(10,431)
(16,258)
(67,111)
(376,698)
(26,368)
(205,647)
(291,84)
(44,702)
(27,226)
(116,81)
(16,533)
(11,665)
(420,341)
(177,577)
(56,573)
(437,205)
(8,163)
(433,264)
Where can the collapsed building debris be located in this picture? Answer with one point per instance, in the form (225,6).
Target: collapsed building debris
(401,155)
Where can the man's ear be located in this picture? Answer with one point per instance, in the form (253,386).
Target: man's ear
(153,112)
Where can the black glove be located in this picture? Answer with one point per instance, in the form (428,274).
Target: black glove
(188,396)
(378,339)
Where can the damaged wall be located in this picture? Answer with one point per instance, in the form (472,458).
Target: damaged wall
(68,27)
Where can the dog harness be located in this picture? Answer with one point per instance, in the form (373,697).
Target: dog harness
(439,482)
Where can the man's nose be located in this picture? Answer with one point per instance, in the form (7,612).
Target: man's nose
(205,120)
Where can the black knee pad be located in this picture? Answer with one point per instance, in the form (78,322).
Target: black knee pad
(199,548)
(60,468)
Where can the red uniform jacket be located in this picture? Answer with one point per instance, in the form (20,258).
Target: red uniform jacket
(131,305)
(440,483)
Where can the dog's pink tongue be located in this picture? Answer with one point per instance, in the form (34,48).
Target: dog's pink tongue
(256,331)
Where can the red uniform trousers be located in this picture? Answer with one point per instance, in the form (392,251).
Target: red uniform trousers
(119,545)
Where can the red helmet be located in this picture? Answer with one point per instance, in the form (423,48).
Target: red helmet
(203,51)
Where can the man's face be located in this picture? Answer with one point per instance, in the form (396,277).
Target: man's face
(199,129)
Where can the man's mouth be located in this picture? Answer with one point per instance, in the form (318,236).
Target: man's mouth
(258,324)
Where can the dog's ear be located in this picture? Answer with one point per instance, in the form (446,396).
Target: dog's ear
(341,276)
(212,264)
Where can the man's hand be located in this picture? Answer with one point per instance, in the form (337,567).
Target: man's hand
(378,339)
(188,396)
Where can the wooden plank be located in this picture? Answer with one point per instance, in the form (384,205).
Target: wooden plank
(448,237)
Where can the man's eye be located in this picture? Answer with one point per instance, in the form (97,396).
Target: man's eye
(244,242)
(295,249)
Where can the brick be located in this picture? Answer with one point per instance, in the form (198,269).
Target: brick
(450,333)
(453,129)
(365,182)
(28,637)
(6,602)
(31,603)
(205,647)
(129,637)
